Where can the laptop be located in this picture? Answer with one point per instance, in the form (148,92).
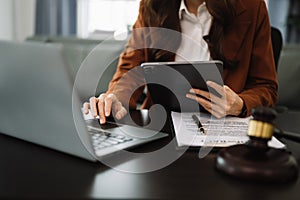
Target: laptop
(169,82)
(38,104)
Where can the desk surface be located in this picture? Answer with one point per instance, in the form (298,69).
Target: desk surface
(28,170)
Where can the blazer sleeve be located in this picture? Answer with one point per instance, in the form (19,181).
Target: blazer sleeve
(261,85)
(128,81)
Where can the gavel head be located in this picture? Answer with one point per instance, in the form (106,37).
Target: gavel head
(261,127)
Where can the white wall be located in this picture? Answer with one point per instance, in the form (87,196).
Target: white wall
(6,18)
(278,10)
(17,18)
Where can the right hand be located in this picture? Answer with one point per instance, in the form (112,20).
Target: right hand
(103,106)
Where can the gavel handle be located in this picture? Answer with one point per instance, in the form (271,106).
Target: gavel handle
(286,134)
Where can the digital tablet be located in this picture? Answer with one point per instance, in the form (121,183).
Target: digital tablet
(169,82)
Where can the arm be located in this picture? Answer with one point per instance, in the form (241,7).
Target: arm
(128,81)
(261,85)
(253,82)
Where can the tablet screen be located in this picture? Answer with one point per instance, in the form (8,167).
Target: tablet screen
(169,82)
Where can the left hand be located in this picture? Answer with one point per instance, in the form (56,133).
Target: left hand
(229,103)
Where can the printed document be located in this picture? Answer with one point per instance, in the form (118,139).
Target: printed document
(218,132)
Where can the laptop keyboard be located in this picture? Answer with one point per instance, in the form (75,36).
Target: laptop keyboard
(102,139)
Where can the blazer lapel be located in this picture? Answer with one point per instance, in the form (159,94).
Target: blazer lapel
(236,33)
(240,7)
(234,39)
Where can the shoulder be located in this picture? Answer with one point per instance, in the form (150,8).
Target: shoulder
(250,5)
(249,10)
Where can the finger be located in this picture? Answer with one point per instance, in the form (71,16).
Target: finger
(216,86)
(213,98)
(109,100)
(86,107)
(93,106)
(119,110)
(203,102)
(200,92)
(229,98)
(234,102)
(214,109)
(101,108)
(121,113)
(217,110)
(228,90)
(218,113)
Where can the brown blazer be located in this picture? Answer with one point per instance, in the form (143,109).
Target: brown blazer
(248,41)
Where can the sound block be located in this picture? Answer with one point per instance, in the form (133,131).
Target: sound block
(257,164)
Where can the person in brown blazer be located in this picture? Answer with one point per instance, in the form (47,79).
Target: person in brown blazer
(239,35)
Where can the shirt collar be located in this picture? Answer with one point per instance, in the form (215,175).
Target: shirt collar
(184,8)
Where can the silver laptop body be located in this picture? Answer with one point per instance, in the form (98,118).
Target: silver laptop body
(37,103)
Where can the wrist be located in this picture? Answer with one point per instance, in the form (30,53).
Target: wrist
(243,112)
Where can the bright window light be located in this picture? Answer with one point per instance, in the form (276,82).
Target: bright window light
(98,16)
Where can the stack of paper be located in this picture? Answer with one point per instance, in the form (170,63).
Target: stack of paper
(218,132)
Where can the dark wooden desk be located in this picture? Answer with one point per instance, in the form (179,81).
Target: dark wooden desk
(28,170)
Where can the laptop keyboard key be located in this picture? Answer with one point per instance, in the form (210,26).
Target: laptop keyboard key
(102,139)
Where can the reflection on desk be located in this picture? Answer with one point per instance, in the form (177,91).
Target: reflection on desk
(28,170)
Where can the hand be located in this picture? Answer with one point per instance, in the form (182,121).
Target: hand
(229,103)
(103,106)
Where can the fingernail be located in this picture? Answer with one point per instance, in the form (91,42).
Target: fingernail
(208,82)
(102,121)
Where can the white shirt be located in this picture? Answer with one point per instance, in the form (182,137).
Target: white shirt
(193,47)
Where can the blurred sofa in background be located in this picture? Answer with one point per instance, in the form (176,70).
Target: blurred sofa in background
(87,56)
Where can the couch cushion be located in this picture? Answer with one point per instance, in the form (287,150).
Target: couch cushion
(96,55)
